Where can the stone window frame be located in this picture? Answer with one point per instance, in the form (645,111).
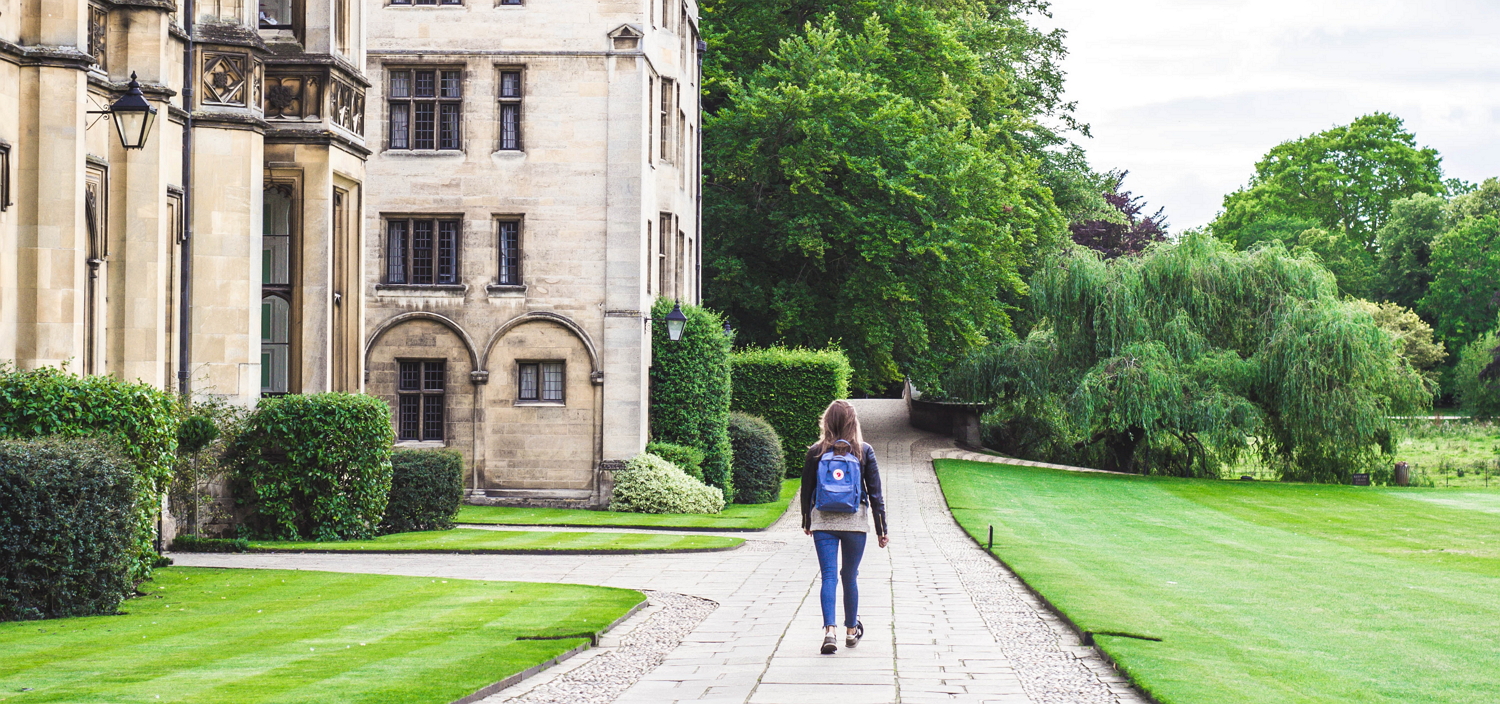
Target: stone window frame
(288,293)
(425,3)
(538,368)
(515,103)
(517,272)
(419,398)
(294,8)
(408,246)
(98,36)
(407,141)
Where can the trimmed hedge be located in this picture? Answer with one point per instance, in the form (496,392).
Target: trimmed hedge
(427,487)
(314,467)
(758,465)
(68,528)
(690,389)
(650,484)
(191,543)
(138,420)
(790,388)
(688,459)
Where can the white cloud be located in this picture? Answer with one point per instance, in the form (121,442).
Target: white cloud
(1188,94)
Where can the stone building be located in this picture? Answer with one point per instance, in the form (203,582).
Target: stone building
(248,186)
(533,188)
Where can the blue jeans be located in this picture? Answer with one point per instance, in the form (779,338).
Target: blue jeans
(829,543)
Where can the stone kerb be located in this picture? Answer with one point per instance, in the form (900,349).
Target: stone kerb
(993,459)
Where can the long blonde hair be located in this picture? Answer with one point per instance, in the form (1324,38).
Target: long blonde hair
(839,422)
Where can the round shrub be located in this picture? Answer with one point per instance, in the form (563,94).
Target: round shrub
(67,528)
(690,388)
(650,484)
(758,463)
(315,467)
(688,459)
(426,488)
(139,421)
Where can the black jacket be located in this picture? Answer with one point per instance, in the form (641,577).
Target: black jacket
(869,472)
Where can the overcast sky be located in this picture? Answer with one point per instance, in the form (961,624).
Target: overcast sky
(1189,94)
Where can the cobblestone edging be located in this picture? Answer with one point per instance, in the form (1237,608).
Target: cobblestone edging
(1054,665)
(622,659)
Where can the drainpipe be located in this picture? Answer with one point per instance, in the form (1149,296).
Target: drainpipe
(185,297)
(702,49)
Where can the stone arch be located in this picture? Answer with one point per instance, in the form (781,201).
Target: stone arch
(394,321)
(543,316)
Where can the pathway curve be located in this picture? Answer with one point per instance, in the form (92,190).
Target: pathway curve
(944,621)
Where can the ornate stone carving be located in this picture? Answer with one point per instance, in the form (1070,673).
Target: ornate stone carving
(98,25)
(224,78)
(296,97)
(348,107)
(257,79)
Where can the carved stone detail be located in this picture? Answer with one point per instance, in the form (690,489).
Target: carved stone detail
(294,97)
(257,79)
(225,78)
(348,107)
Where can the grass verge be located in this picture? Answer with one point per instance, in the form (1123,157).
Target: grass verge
(1260,592)
(733,517)
(476,540)
(248,636)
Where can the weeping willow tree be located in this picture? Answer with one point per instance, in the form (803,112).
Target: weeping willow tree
(1173,361)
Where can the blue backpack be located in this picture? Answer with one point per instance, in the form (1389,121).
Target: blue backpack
(840,486)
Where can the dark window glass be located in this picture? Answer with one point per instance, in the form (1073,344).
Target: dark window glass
(421,252)
(400,126)
(552,381)
(527,383)
(424,84)
(510,109)
(510,253)
(396,253)
(423,124)
(449,126)
(451,84)
(420,399)
(401,84)
(447,271)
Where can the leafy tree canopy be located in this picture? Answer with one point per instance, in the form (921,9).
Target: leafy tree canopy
(1171,362)
(1465,292)
(1344,179)
(1478,374)
(1413,334)
(869,189)
(1405,243)
(1129,232)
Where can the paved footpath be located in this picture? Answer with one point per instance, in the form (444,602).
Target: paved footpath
(944,621)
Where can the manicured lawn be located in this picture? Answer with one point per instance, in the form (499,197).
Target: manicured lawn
(1261,592)
(245,636)
(734,517)
(478,540)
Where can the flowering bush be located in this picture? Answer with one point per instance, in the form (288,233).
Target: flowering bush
(650,484)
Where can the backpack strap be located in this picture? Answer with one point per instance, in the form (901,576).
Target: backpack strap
(848,448)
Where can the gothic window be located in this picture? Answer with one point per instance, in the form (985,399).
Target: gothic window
(668,92)
(4,176)
(275,344)
(425,107)
(540,381)
(276,289)
(510,252)
(510,110)
(421,251)
(420,393)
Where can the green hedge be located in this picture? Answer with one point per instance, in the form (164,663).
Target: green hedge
(139,420)
(314,467)
(192,543)
(688,459)
(650,484)
(690,389)
(790,388)
(427,487)
(68,528)
(758,465)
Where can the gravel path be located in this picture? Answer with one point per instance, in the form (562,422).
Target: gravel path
(944,621)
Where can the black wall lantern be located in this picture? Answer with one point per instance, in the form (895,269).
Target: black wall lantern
(133,116)
(675,321)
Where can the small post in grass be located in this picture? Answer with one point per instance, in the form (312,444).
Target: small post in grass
(991,547)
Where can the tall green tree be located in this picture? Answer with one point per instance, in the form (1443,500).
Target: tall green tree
(1465,292)
(1344,179)
(1171,362)
(1405,248)
(869,189)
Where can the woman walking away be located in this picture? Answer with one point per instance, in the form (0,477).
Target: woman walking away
(840,489)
